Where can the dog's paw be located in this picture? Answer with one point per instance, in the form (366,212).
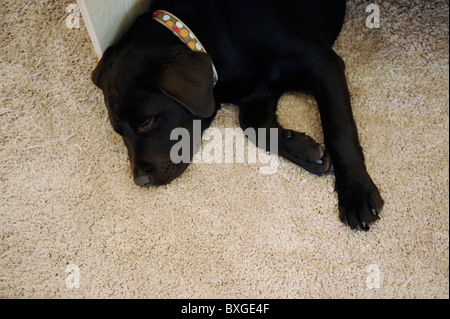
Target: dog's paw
(360,204)
(304,151)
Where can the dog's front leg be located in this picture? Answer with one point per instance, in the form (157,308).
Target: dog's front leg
(359,199)
(259,112)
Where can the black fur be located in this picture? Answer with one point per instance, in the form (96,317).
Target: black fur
(262,49)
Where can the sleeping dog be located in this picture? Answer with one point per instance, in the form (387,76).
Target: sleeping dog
(183,58)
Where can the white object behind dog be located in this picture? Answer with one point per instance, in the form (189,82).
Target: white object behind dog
(108,20)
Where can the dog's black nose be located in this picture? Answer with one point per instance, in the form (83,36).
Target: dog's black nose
(143,181)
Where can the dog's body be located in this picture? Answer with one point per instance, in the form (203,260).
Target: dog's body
(153,83)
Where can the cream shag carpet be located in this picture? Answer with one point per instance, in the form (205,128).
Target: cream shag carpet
(73,225)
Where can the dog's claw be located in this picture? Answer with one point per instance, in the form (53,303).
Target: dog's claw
(364,226)
(321,154)
(287,134)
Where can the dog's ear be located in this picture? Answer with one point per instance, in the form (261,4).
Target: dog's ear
(97,74)
(188,79)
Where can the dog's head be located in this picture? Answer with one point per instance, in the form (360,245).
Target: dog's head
(149,91)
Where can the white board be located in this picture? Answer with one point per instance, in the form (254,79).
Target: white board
(108,20)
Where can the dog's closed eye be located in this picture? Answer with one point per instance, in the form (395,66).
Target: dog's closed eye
(147,124)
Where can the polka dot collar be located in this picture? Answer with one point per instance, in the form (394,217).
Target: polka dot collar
(183,33)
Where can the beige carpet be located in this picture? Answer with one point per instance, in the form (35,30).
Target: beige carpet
(73,225)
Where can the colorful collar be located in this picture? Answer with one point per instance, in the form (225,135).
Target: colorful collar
(178,28)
